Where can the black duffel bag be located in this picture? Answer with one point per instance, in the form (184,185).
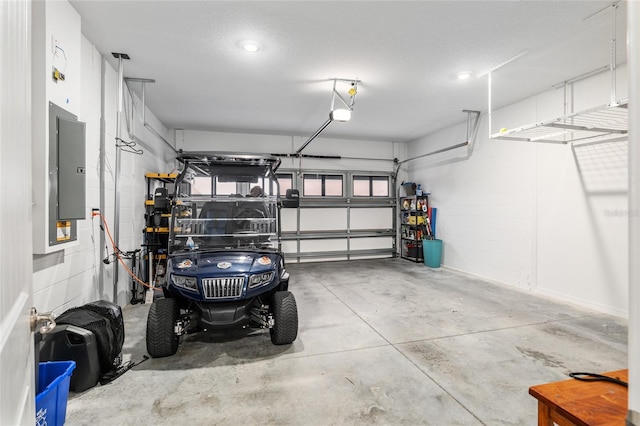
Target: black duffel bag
(104,320)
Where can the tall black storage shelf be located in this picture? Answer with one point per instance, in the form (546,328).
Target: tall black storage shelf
(413,222)
(157,215)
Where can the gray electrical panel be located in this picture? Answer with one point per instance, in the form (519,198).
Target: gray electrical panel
(67,177)
(71,169)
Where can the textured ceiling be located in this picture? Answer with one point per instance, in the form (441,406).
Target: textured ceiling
(407,55)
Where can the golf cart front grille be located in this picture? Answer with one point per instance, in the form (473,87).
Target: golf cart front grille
(222,288)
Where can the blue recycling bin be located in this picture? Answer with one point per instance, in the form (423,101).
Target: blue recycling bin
(432,250)
(53,391)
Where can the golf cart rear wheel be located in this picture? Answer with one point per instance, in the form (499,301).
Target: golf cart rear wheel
(285,318)
(161,338)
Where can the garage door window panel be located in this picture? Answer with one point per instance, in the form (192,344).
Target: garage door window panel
(322,185)
(333,186)
(201,185)
(370,186)
(379,186)
(285,180)
(225,188)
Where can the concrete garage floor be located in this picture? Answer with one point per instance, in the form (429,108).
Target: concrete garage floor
(380,342)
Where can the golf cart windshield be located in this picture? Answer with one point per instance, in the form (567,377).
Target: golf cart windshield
(225,201)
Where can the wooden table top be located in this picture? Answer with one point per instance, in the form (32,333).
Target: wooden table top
(587,403)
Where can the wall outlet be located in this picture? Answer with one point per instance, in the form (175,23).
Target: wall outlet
(56,75)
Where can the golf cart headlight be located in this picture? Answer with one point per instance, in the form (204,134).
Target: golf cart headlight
(260,279)
(190,283)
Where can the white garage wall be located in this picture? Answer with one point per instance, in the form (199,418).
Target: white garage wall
(194,140)
(76,275)
(157,157)
(543,217)
(56,43)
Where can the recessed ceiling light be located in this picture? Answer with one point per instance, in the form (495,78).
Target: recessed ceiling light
(250,46)
(463,75)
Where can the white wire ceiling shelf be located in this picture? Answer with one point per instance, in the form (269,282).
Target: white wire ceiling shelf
(602,124)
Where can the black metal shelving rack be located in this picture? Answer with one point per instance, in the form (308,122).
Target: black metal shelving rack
(156,234)
(413,222)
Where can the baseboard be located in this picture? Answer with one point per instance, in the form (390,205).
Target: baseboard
(561,297)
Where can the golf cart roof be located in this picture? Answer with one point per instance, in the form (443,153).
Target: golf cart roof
(225,163)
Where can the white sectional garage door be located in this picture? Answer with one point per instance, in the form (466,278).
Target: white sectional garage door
(342,216)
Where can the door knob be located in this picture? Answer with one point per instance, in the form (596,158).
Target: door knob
(45,321)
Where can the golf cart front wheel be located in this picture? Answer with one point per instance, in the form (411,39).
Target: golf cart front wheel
(285,318)
(161,338)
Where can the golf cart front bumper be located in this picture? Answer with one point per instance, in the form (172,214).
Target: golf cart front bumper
(221,315)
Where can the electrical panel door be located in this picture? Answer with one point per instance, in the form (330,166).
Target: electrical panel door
(71,169)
